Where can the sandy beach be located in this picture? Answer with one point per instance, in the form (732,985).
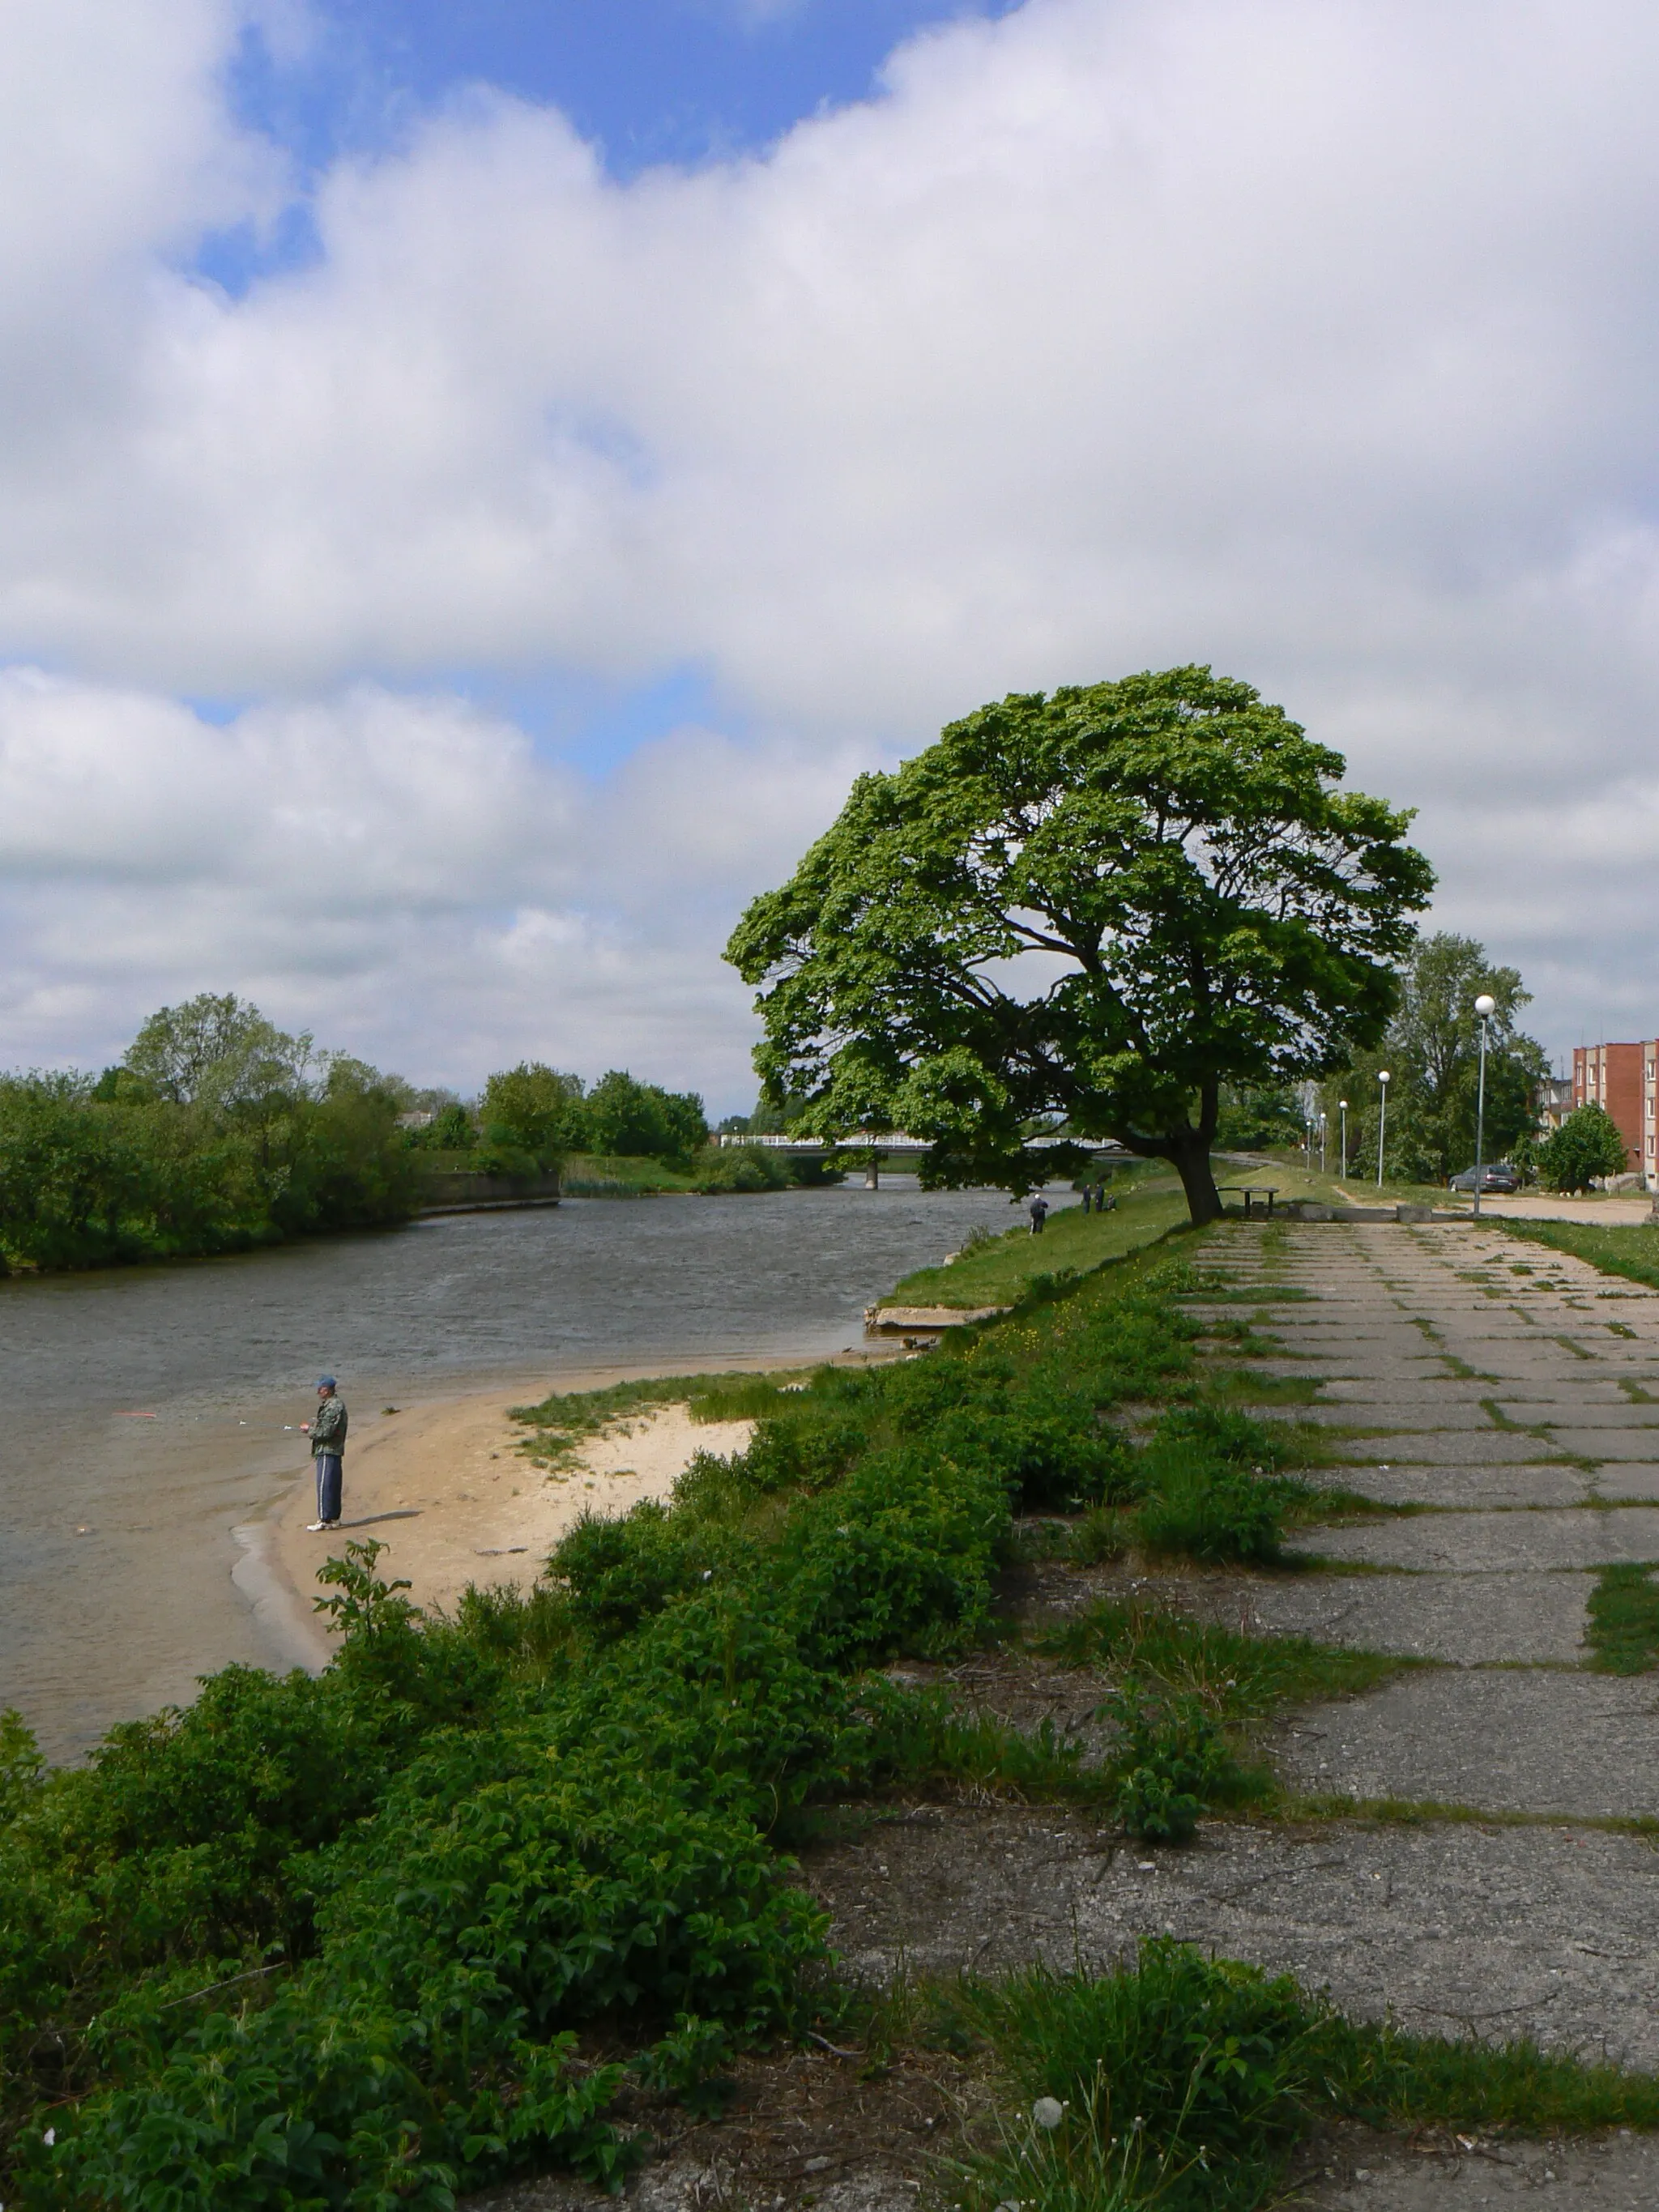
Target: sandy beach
(446,1487)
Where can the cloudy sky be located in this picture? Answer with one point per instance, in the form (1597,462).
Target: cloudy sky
(476,483)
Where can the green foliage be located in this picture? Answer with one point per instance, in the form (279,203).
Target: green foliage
(1182,2081)
(1241,1678)
(1587,1146)
(639,1121)
(1210,1493)
(1433,1054)
(1173,1762)
(181,1154)
(1254,1117)
(218,1052)
(741,1168)
(532,1110)
(1209,909)
(1624,1621)
(392,1935)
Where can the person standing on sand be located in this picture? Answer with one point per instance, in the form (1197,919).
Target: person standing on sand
(328,1435)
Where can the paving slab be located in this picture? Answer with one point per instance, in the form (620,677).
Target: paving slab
(1457,1928)
(1465,1619)
(1620,1482)
(1634,1444)
(1393,1415)
(1494,1543)
(1453,1448)
(1512,1740)
(1467,1487)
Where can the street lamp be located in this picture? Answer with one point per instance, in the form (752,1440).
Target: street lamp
(1485,1007)
(1381,1122)
(1342,1108)
(1324,1119)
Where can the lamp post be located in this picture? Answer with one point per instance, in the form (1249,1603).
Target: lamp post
(1382,1121)
(1342,1108)
(1324,1119)
(1485,1007)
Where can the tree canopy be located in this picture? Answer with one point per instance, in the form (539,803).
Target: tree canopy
(1432,1053)
(216,1051)
(1587,1146)
(1090,909)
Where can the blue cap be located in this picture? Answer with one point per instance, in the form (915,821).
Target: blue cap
(325,1382)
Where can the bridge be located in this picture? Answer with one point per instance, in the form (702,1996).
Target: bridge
(895,1144)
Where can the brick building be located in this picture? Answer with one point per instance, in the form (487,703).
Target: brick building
(1621,1077)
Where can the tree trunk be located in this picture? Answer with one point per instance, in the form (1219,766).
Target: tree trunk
(1192,1163)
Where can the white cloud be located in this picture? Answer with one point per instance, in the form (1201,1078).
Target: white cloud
(1317,341)
(399,873)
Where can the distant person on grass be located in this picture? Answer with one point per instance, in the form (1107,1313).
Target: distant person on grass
(1039,1214)
(328,1435)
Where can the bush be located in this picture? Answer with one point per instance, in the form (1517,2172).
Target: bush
(1587,1146)
(740,1167)
(1173,1763)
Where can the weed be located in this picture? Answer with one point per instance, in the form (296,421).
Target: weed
(1172,1763)
(1624,1621)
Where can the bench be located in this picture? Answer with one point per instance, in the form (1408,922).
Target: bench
(1250,1191)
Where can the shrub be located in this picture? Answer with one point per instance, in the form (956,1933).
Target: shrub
(736,1168)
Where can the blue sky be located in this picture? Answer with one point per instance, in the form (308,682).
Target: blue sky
(651,81)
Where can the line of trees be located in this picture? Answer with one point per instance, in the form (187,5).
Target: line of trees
(216,1133)
(532,1118)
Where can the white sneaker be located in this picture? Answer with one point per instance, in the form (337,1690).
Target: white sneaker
(312,1526)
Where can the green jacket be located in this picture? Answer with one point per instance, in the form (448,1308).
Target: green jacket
(328,1426)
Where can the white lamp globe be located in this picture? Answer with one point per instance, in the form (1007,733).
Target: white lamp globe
(1382,1074)
(1342,1105)
(1486,1007)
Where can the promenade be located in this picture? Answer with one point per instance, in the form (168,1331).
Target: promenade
(1471,1859)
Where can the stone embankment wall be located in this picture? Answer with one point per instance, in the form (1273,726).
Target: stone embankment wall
(461,1191)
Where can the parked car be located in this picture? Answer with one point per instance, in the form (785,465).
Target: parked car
(1500,1177)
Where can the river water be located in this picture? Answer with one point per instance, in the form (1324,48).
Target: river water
(150,1413)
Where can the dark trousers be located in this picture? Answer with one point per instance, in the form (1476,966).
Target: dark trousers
(330,1468)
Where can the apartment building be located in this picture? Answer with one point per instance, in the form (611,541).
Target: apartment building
(1621,1080)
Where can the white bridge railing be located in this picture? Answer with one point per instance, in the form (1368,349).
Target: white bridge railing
(896,1140)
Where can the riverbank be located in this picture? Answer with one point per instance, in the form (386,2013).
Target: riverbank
(445,1486)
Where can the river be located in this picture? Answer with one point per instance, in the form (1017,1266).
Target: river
(150,1413)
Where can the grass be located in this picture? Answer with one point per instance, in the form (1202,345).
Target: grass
(1632,1251)
(1187,2082)
(1003,1268)
(1244,1678)
(593,1174)
(1624,1621)
(561,1423)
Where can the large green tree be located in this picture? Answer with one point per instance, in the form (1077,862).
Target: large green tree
(1100,905)
(1433,1054)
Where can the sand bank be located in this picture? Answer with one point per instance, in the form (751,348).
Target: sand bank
(444,1487)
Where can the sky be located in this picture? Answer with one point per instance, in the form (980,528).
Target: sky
(478,481)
